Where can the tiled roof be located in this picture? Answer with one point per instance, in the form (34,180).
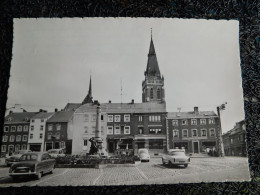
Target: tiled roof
(72,106)
(201,114)
(61,116)
(125,107)
(42,115)
(19,117)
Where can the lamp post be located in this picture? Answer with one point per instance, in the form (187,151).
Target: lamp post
(220,139)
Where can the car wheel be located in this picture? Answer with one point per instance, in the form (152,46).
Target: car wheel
(15,178)
(39,176)
(51,171)
(148,160)
(170,163)
(186,165)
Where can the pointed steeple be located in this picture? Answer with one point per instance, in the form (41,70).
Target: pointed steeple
(89,98)
(152,68)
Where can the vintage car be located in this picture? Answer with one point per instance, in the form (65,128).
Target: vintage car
(15,157)
(176,157)
(55,153)
(32,164)
(143,154)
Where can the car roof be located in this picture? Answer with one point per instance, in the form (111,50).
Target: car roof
(176,150)
(37,153)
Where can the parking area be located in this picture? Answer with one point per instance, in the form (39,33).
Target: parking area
(153,172)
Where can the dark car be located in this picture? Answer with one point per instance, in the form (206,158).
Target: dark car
(32,164)
(15,157)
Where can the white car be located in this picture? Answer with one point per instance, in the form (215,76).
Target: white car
(55,153)
(176,157)
(144,155)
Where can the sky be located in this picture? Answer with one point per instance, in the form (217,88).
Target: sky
(199,59)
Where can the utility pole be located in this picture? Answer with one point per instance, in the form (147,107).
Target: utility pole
(220,138)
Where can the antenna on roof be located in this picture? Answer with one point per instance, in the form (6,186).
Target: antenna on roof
(179,109)
(151,33)
(121,89)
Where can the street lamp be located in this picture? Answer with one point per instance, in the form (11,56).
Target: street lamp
(220,139)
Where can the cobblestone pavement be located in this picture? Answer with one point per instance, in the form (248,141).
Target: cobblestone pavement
(200,170)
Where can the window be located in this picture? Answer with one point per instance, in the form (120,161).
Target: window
(3,148)
(17,147)
(32,128)
(140,118)
(24,147)
(24,138)
(155,131)
(102,117)
(5,138)
(212,132)
(127,118)
(13,128)
(155,118)
(231,140)
(31,136)
(158,93)
(57,136)
(41,128)
(203,121)
(140,130)
(194,133)
(49,127)
(194,121)
(93,129)
(85,129)
(94,117)
(184,122)
(185,133)
(151,93)
(40,135)
(203,132)
(110,130)
(241,138)
(10,119)
(6,129)
(110,118)
(18,138)
(175,122)
(127,130)
(58,127)
(12,138)
(117,129)
(86,117)
(85,142)
(49,136)
(102,129)
(211,121)
(42,120)
(25,128)
(175,133)
(117,118)
(32,120)
(20,128)
(10,148)
(62,144)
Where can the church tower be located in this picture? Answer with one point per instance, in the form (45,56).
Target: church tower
(153,85)
(88,98)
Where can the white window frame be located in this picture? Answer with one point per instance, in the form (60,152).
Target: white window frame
(18,136)
(174,133)
(186,122)
(12,136)
(13,127)
(186,131)
(174,122)
(140,118)
(196,132)
(6,127)
(62,145)
(57,135)
(202,133)
(5,138)
(110,130)
(58,127)
(11,146)
(23,139)
(19,128)
(17,147)
(85,142)
(3,148)
(211,121)
(210,132)
(203,123)
(110,118)
(117,130)
(193,121)
(24,147)
(125,118)
(49,136)
(126,129)
(25,128)
(50,127)
(116,118)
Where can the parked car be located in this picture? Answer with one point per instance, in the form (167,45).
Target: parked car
(15,157)
(54,153)
(176,157)
(144,155)
(32,164)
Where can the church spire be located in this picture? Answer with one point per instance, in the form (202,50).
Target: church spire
(88,98)
(152,68)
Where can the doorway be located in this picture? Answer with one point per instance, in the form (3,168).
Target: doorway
(195,147)
(110,147)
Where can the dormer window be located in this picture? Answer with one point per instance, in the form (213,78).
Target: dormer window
(10,119)
(26,119)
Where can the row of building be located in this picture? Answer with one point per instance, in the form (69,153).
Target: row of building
(125,127)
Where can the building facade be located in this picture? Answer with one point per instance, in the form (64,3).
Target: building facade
(196,131)
(15,132)
(235,140)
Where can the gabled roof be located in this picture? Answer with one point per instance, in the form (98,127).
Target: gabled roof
(61,116)
(42,115)
(19,117)
(201,114)
(71,106)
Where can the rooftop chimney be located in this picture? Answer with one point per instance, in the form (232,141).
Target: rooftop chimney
(196,110)
(109,101)
(10,112)
(133,101)
(56,110)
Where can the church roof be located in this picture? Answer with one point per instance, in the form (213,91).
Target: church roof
(152,68)
(72,106)
(88,98)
